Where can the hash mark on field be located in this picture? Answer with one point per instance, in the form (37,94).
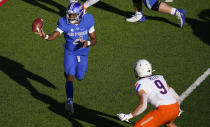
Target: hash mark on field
(200,79)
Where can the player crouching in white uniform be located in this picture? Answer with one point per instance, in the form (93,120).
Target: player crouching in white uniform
(153,90)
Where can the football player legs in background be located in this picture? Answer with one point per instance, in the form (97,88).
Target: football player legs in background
(2,2)
(153,89)
(86,4)
(77,27)
(156,6)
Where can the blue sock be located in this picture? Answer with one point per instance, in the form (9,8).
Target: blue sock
(69,91)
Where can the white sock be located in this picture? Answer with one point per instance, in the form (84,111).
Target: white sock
(173,11)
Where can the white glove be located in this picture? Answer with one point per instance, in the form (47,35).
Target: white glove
(125,117)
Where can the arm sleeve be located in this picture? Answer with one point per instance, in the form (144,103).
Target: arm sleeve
(91,22)
(91,30)
(142,86)
(88,3)
(60,28)
(137,86)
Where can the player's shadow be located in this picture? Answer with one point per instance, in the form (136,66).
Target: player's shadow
(41,4)
(94,117)
(109,8)
(17,73)
(20,75)
(201,27)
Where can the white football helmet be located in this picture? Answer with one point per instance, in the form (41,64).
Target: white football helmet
(143,68)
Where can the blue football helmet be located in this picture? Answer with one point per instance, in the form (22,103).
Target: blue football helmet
(74,8)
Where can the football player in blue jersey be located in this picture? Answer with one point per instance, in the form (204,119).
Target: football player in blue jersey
(77,26)
(156,6)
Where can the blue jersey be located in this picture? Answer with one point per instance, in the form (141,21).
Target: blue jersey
(74,33)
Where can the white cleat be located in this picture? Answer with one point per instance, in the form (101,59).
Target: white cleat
(136,18)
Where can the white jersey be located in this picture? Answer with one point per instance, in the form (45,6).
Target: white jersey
(156,89)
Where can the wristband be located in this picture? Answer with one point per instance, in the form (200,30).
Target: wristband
(130,116)
(46,37)
(89,43)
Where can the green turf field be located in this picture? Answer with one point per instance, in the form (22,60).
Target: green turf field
(32,90)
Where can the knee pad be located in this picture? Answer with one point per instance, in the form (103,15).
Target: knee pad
(156,5)
(136,1)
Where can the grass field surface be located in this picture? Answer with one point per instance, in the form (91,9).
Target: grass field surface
(32,85)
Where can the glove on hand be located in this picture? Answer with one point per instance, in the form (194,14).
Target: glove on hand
(125,117)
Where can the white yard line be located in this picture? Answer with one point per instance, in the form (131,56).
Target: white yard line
(200,79)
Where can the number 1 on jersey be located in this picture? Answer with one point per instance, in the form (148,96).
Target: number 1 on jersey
(160,85)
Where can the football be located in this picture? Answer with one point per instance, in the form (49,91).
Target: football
(37,25)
